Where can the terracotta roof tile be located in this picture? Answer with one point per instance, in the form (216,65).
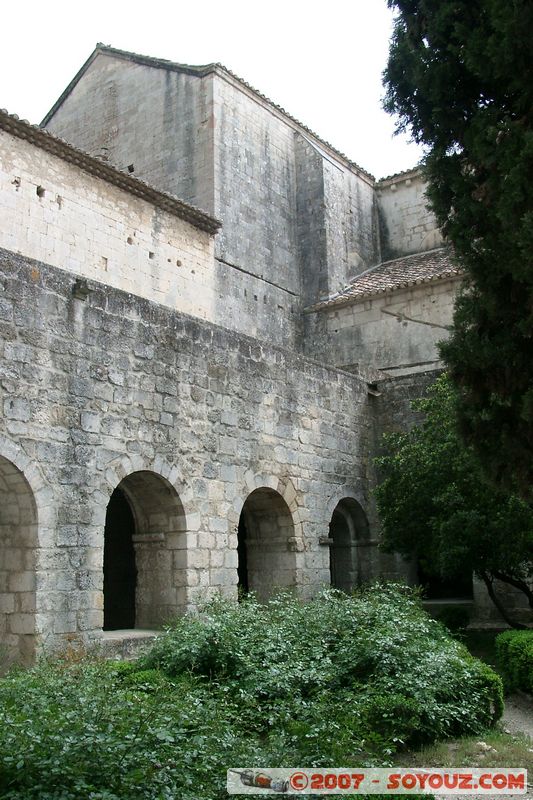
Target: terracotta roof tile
(390,276)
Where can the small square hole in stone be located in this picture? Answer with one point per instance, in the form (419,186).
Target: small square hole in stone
(40,191)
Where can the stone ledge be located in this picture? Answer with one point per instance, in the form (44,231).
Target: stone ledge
(126,644)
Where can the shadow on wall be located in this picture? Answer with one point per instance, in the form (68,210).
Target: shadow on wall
(348,535)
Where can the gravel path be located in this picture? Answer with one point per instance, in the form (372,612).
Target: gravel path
(517,718)
(518,715)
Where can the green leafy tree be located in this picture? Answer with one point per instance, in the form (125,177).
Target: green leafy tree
(433,502)
(460,79)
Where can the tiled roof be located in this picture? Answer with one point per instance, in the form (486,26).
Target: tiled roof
(199,71)
(390,276)
(58,147)
(413,172)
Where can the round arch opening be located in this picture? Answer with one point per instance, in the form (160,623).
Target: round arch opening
(18,543)
(145,526)
(348,533)
(265,561)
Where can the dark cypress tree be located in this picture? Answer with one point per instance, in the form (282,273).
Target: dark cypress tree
(460,79)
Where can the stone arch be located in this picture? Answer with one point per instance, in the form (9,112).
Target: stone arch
(348,535)
(269,537)
(18,546)
(152,508)
(27,530)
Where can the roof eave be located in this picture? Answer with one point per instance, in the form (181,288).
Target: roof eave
(93,166)
(335,304)
(200,72)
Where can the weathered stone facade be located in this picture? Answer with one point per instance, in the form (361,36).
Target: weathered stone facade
(188,408)
(191,421)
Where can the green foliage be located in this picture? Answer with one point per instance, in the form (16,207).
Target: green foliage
(286,656)
(433,501)
(337,681)
(458,78)
(515,658)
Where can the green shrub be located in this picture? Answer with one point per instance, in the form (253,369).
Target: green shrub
(289,650)
(515,657)
(340,680)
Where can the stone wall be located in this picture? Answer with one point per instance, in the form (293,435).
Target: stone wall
(157,121)
(187,419)
(393,406)
(206,137)
(406,223)
(164,123)
(396,332)
(55,211)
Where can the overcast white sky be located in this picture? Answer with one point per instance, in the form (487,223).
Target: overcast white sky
(322,61)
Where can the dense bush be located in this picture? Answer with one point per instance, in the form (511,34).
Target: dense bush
(515,657)
(381,642)
(338,681)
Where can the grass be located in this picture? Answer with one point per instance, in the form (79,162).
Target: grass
(492,749)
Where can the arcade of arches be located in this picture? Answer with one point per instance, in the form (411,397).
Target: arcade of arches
(145,552)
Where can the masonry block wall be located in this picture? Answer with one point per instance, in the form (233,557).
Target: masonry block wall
(158,121)
(116,391)
(406,223)
(397,333)
(205,136)
(55,211)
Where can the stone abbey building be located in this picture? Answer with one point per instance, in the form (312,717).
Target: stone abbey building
(191,400)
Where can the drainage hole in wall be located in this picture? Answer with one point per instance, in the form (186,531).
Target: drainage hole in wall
(40,191)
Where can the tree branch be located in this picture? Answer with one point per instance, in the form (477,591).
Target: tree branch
(501,608)
(517,583)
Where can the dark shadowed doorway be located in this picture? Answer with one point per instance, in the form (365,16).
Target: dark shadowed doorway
(120,572)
